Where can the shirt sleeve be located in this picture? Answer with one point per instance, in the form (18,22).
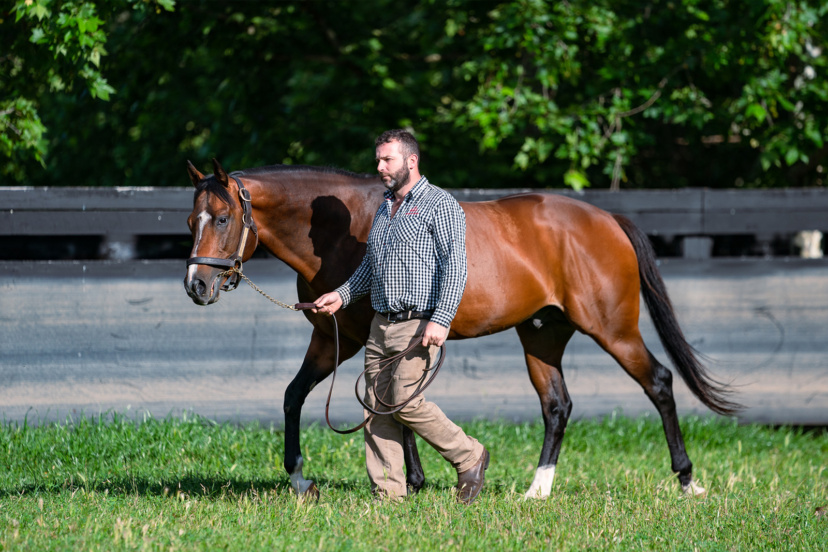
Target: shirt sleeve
(450,244)
(359,284)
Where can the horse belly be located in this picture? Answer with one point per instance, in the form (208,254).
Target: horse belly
(503,289)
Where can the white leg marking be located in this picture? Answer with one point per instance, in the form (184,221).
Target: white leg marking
(297,480)
(203,218)
(694,489)
(541,486)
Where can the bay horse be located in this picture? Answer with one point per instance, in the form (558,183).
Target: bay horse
(541,263)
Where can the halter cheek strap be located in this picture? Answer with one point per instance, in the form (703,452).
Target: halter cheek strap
(235,261)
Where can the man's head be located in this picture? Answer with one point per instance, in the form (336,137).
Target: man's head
(408,144)
(398,157)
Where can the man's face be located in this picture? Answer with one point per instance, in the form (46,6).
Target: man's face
(392,166)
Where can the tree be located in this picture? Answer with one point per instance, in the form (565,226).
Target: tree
(522,93)
(609,86)
(54,46)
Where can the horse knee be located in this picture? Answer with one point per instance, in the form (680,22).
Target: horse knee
(662,376)
(661,390)
(295,396)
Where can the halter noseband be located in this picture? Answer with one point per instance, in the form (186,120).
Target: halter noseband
(234,261)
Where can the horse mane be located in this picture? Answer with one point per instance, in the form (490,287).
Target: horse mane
(211,184)
(300,168)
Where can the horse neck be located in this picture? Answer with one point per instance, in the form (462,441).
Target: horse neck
(315,222)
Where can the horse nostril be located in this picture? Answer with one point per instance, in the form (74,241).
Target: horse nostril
(199,287)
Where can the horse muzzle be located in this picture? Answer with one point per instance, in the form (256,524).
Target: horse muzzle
(201,293)
(204,289)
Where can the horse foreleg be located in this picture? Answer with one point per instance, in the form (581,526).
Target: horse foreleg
(318,365)
(309,375)
(544,338)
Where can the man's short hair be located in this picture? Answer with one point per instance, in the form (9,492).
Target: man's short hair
(408,144)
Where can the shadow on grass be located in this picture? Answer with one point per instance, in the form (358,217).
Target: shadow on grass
(192,486)
(205,487)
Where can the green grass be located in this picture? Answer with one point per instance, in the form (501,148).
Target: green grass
(190,484)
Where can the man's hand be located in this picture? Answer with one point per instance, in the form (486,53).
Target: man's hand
(328,303)
(434,334)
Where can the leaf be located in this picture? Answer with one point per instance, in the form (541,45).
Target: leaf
(701,15)
(41,11)
(792,156)
(37,36)
(576,180)
(756,111)
(451,27)
(786,104)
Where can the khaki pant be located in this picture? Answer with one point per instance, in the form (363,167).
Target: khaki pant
(383,434)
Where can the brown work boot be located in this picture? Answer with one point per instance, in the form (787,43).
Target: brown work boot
(470,481)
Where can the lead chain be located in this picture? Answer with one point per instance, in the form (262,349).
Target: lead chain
(236,270)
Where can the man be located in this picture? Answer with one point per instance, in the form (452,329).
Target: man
(415,271)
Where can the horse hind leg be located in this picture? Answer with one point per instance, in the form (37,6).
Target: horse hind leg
(657,382)
(544,337)
(414,475)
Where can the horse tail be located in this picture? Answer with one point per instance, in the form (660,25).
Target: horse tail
(712,393)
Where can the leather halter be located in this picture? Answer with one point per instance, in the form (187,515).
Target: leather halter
(235,261)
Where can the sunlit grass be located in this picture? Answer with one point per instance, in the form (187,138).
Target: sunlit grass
(185,484)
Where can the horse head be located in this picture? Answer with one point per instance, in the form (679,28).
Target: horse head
(224,233)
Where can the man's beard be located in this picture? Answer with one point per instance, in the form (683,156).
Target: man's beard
(398,179)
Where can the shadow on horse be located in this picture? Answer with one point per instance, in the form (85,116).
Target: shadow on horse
(543,264)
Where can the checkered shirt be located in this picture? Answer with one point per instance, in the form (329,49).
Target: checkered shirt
(415,260)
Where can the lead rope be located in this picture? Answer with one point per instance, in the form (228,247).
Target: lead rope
(237,270)
(385,363)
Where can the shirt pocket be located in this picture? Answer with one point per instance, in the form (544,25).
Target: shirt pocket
(409,229)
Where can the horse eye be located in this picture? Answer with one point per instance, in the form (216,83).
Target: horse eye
(222,221)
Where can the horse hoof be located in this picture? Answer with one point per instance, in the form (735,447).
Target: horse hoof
(534,495)
(414,488)
(311,494)
(694,490)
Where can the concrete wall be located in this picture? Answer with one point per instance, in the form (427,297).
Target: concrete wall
(80,338)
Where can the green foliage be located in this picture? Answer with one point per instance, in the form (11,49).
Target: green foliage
(664,93)
(608,85)
(54,47)
(191,484)
(21,132)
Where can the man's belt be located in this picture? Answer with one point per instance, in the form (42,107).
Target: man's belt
(407,315)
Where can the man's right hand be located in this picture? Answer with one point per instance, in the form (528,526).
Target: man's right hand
(328,303)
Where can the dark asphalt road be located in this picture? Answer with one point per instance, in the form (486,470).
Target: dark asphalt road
(84,338)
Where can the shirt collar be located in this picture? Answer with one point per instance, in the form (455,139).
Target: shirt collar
(415,192)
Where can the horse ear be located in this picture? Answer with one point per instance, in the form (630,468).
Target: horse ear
(195,176)
(219,173)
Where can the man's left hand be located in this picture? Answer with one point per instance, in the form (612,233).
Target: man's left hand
(434,334)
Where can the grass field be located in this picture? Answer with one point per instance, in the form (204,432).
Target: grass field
(190,484)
